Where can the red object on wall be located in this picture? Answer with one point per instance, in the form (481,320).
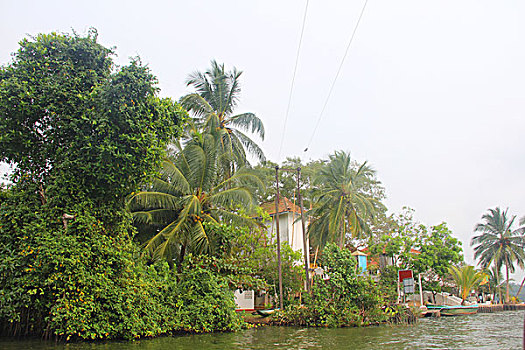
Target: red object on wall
(405,274)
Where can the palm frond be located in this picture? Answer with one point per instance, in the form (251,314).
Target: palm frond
(196,104)
(156,216)
(173,178)
(152,200)
(251,147)
(248,122)
(233,196)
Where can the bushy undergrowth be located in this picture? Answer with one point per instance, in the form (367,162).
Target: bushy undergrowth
(88,281)
(345,299)
(83,134)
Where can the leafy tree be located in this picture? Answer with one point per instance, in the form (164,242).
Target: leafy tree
(466,278)
(396,235)
(288,179)
(498,243)
(77,129)
(81,135)
(344,200)
(388,284)
(186,194)
(426,250)
(217,95)
(438,251)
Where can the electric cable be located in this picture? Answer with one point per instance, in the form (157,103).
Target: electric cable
(336,76)
(293,82)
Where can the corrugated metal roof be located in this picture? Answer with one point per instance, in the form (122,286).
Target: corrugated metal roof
(285,206)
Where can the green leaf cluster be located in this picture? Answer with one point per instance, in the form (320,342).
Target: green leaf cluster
(204,301)
(82,135)
(345,299)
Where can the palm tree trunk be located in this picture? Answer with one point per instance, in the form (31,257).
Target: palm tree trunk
(498,286)
(521,286)
(181,257)
(507,269)
(342,238)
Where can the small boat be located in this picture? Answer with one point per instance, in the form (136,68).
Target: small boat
(454,310)
(266,313)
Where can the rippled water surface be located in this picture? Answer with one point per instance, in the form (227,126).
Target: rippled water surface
(502,330)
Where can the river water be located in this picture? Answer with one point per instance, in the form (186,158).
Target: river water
(503,330)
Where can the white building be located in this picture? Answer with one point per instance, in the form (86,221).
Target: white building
(290,226)
(291,232)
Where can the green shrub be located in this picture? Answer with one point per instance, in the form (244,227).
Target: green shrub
(388,284)
(345,299)
(83,283)
(204,302)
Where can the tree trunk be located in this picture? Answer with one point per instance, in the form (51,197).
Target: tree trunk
(498,286)
(181,257)
(507,269)
(342,238)
(521,286)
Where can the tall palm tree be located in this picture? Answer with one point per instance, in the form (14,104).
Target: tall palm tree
(494,281)
(498,243)
(185,195)
(522,223)
(217,95)
(466,279)
(343,200)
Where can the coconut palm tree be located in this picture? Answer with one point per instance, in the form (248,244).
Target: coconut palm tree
(217,95)
(187,194)
(466,278)
(494,281)
(522,223)
(498,243)
(343,200)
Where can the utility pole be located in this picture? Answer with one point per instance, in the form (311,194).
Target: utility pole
(278,238)
(305,245)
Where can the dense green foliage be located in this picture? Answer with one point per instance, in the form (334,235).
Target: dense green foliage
(203,299)
(257,254)
(82,282)
(428,251)
(247,259)
(345,299)
(187,193)
(76,128)
(387,284)
(82,137)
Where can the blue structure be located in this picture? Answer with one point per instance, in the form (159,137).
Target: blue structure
(361,261)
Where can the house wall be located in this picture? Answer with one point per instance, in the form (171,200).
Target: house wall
(245,300)
(291,231)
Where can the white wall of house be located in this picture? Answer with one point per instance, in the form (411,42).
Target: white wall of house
(245,300)
(291,231)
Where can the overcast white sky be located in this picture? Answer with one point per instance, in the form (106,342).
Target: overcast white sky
(432,93)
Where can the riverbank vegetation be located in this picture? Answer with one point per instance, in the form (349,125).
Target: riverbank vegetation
(129,215)
(345,297)
(499,244)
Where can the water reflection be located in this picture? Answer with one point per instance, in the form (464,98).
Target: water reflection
(483,331)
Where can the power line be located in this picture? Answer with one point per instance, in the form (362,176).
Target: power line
(336,76)
(293,81)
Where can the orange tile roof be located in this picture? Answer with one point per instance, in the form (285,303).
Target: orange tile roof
(285,205)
